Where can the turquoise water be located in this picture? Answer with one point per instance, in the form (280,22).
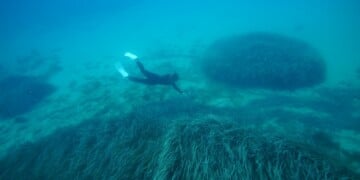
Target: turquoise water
(66,112)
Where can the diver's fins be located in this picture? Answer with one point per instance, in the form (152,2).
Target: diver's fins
(131,56)
(121,70)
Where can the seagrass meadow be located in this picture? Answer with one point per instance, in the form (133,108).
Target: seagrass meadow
(179,138)
(201,143)
(268,90)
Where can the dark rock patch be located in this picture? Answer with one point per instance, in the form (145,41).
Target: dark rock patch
(20,94)
(264,60)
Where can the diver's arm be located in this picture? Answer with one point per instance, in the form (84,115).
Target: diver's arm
(177,88)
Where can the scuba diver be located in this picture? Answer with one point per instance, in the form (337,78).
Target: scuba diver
(150,77)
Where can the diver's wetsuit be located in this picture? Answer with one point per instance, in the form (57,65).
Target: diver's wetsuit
(154,79)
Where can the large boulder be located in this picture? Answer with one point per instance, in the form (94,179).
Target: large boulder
(264,60)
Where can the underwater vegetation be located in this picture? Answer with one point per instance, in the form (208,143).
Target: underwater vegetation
(264,60)
(20,94)
(198,145)
(216,149)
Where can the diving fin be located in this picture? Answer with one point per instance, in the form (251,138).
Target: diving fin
(121,70)
(131,56)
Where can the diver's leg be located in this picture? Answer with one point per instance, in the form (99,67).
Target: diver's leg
(145,72)
(139,80)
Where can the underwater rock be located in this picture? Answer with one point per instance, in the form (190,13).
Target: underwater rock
(20,94)
(264,60)
(37,64)
(30,62)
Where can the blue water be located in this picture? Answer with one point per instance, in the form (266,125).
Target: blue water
(59,83)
